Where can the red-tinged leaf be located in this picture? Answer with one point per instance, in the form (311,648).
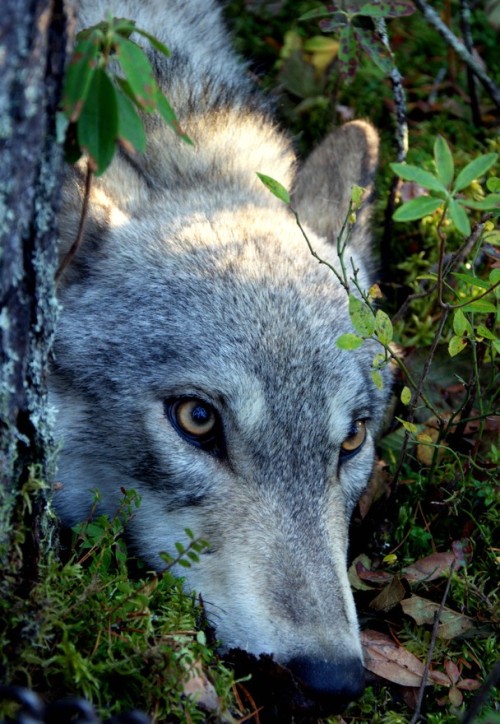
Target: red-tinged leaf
(130,127)
(138,72)
(469,684)
(348,51)
(374,48)
(452,671)
(384,657)
(439,678)
(455,696)
(366,574)
(81,69)
(98,123)
(387,9)
(429,568)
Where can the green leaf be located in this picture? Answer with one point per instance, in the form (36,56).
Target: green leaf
(480,306)
(138,72)
(81,69)
(475,169)
(456,345)
(378,380)
(362,317)
(408,426)
(348,51)
(417,208)
(472,280)
(97,127)
(443,159)
(275,187)
(423,178)
(459,217)
(157,45)
(316,13)
(130,127)
(387,9)
(483,331)
(167,113)
(491,202)
(334,22)
(374,48)
(357,195)
(461,324)
(349,341)
(383,327)
(405,395)
(493,184)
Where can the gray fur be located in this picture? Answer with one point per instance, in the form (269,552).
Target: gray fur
(194,280)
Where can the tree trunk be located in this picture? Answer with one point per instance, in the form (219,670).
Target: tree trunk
(32,55)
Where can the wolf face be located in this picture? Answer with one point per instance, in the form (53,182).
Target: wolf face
(196,360)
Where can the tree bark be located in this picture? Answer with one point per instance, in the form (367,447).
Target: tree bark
(32,56)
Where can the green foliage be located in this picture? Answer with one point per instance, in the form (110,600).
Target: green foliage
(123,641)
(101,105)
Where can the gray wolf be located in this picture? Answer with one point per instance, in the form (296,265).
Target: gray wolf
(196,357)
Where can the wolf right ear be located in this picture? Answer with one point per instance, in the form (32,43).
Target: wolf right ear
(322,189)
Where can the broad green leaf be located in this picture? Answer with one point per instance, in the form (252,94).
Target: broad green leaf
(423,178)
(374,48)
(316,13)
(97,128)
(483,331)
(408,426)
(443,159)
(491,202)
(472,280)
(275,187)
(417,208)
(167,113)
(459,217)
(479,306)
(349,341)
(456,345)
(157,45)
(79,75)
(383,327)
(475,169)
(405,395)
(348,51)
(130,126)
(494,276)
(492,237)
(138,72)
(362,317)
(493,184)
(378,380)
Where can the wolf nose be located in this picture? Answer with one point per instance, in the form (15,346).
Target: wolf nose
(340,680)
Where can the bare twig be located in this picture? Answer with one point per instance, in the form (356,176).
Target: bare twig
(83,216)
(465,27)
(437,617)
(433,19)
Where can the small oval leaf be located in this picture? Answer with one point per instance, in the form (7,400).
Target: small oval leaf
(275,187)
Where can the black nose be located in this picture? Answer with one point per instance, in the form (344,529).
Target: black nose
(341,680)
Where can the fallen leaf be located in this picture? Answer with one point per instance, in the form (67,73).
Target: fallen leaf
(431,567)
(365,574)
(198,688)
(354,579)
(385,658)
(389,596)
(422,611)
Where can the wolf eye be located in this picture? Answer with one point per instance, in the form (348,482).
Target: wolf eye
(197,422)
(354,441)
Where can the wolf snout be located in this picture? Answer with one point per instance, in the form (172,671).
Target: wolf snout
(340,681)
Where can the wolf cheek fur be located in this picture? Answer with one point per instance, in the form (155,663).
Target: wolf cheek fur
(194,300)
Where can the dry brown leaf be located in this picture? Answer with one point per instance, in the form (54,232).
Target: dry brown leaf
(387,659)
(198,688)
(389,596)
(431,567)
(378,487)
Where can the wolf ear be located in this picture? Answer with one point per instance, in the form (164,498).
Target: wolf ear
(322,188)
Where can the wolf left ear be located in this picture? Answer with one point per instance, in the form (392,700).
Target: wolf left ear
(322,189)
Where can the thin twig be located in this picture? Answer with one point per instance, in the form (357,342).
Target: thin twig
(465,26)
(433,19)
(437,617)
(83,216)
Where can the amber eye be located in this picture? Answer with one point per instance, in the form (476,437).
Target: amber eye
(197,422)
(355,439)
(195,417)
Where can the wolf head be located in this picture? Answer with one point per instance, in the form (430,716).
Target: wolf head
(196,362)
